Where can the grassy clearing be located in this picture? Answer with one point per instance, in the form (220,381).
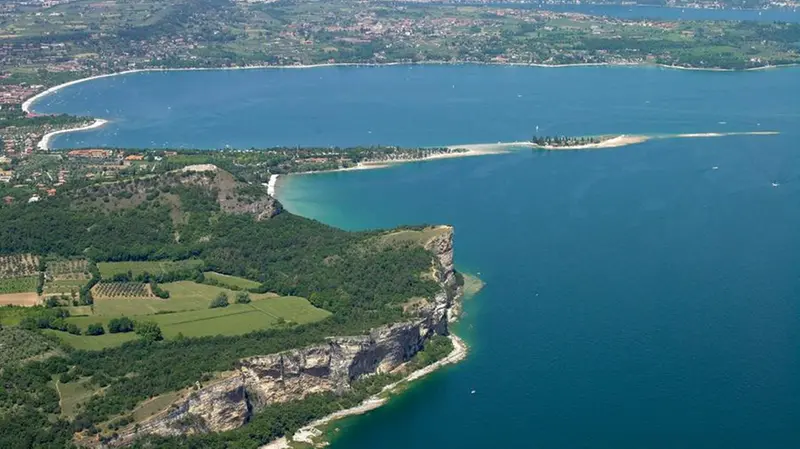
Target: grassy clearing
(72,395)
(109,269)
(226,280)
(420,237)
(186,313)
(19,284)
(11,316)
(183,296)
(154,406)
(80,310)
(291,308)
(92,343)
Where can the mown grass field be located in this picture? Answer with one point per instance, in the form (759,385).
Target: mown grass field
(186,313)
(226,280)
(109,269)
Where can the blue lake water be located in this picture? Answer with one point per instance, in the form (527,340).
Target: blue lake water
(669,13)
(639,297)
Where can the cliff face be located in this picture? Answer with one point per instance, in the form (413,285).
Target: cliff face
(294,374)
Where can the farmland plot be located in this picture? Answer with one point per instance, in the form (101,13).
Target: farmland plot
(18,265)
(114,290)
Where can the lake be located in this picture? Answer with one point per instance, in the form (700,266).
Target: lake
(670,13)
(640,297)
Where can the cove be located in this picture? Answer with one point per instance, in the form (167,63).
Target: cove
(644,296)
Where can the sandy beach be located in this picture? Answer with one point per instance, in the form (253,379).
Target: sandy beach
(311,431)
(618,141)
(746,133)
(44,144)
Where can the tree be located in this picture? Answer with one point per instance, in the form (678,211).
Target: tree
(121,324)
(95,329)
(220,301)
(242,298)
(148,330)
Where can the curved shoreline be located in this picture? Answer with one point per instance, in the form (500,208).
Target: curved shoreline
(307,433)
(27,104)
(44,143)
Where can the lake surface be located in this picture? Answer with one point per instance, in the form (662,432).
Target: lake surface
(638,297)
(669,13)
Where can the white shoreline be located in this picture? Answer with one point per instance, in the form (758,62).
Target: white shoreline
(273,182)
(44,143)
(27,104)
(311,430)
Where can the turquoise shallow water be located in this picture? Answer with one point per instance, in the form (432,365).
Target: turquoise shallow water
(636,297)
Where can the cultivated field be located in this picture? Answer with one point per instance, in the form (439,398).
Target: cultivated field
(109,269)
(120,290)
(226,280)
(18,265)
(19,284)
(66,277)
(187,313)
(63,270)
(27,299)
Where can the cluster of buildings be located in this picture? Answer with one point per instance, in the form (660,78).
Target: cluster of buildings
(17,93)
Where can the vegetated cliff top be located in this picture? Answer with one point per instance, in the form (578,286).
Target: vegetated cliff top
(363,278)
(183,191)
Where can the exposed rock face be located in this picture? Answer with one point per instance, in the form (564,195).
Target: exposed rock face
(294,374)
(218,407)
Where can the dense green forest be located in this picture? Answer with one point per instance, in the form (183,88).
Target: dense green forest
(359,278)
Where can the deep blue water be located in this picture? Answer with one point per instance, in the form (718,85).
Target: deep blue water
(636,297)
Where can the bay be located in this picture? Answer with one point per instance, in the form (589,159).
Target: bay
(640,297)
(670,13)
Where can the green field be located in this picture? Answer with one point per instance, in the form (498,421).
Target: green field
(92,343)
(19,284)
(183,295)
(186,312)
(109,269)
(154,406)
(72,394)
(419,237)
(226,280)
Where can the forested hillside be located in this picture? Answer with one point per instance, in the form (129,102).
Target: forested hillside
(205,216)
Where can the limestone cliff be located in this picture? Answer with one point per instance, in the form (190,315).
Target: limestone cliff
(262,380)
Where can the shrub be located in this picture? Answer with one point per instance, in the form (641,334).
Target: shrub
(121,324)
(148,330)
(242,298)
(95,329)
(220,301)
